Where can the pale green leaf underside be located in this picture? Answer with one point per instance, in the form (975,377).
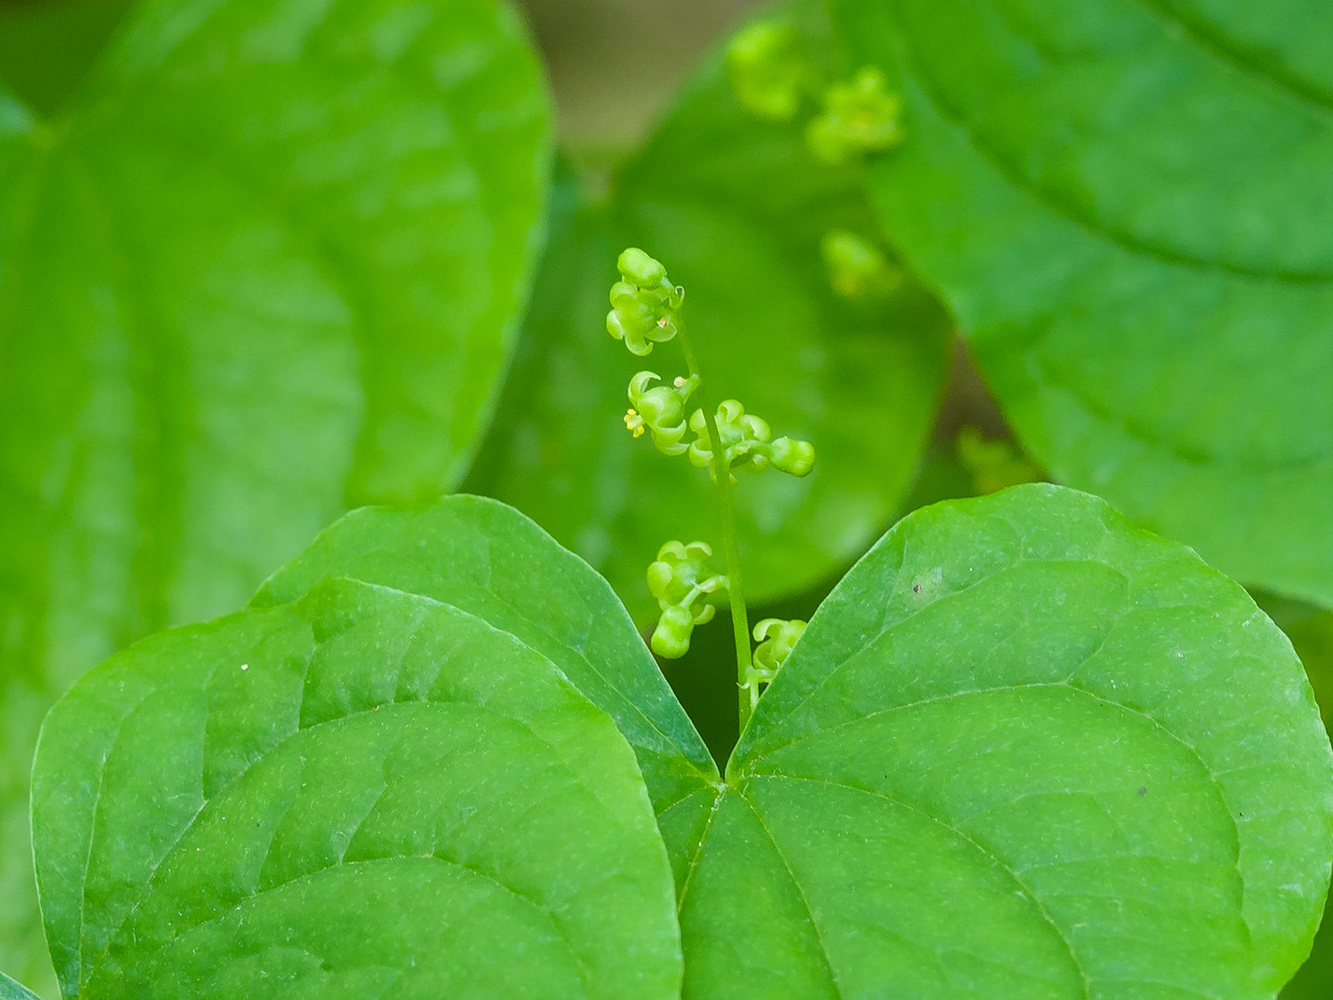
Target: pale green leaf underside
(1312,635)
(363,794)
(735,207)
(491,561)
(262,267)
(1126,203)
(1024,750)
(10,990)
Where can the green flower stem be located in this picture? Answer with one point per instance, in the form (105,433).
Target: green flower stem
(740,619)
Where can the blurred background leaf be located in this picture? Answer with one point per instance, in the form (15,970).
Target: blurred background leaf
(259,263)
(1126,205)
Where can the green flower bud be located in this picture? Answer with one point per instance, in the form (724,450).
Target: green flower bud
(746,443)
(768,70)
(857,269)
(638,269)
(660,410)
(643,304)
(796,458)
(859,116)
(680,581)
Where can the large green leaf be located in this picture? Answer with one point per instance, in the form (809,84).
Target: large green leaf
(363,794)
(1127,205)
(262,266)
(1023,750)
(735,207)
(491,561)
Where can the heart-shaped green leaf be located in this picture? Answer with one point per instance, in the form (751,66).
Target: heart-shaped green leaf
(1127,206)
(1023,750)
(491,561)
(262,266)
(736,209)
(362,794)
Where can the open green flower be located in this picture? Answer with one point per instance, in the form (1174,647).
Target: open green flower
(660,410)
(644,303)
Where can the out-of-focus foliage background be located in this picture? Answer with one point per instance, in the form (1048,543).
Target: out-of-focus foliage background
(614,68)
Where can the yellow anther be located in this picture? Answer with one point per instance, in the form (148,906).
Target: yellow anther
(634,422)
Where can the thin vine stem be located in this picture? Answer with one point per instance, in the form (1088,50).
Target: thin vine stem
(721,473)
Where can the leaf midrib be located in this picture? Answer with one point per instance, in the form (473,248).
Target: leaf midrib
(991,857)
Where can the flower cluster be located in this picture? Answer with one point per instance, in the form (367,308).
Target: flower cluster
(769,72)
(644,303)
(680,581)
(776,639)
(859,116)
(747,443)
(660,410)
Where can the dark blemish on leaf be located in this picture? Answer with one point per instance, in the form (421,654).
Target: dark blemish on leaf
(916,588)
(1143,791)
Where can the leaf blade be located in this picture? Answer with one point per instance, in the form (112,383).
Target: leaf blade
(1146,294)
(491,561)
(433,784)
(1025,749)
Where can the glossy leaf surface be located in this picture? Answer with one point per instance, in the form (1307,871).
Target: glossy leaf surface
(736,208)
(260,267)
(1023,750)
(491,561)
(366,793)
(1127,206)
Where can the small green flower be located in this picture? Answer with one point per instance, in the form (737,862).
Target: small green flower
(776,639)
(680,582)
(746,443)
(644,303)
(768,70)
(660,410)
(856,268)
(859,116)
